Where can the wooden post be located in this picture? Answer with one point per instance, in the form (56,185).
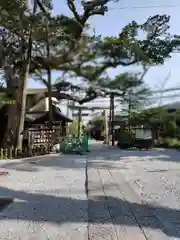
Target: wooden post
(112,118)
(10,153)
(79,121)
(106,130)
(5,153)
(129,111)
(2,153)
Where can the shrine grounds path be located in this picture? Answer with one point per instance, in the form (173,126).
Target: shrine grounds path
(108,194)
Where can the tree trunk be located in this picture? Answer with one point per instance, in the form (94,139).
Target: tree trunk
(11,124)
(49,78)
(16,125)
(10,132)
(50,98)
(10,127)
(22,105)
(26,56)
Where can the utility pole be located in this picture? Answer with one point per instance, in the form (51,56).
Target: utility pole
(161,101)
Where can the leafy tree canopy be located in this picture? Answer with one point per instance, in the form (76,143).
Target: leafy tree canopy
(76,52)
(73,50)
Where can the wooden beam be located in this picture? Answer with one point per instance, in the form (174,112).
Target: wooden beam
(88,108)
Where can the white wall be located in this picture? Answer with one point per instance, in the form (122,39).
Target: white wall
(64,108)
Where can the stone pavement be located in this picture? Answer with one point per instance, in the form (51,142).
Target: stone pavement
(50,199)
(131,195)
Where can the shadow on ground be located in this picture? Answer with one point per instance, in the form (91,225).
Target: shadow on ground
(47,208)
(70,161)
(101,154)
(116,154)
(56,161)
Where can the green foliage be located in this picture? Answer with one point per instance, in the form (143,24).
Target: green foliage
(127,48)
(73,50)
(80,54)
(73,128)
(152,116)
(170,128)
(124,81)
(168,142)
(124,136)
(97,122)
(135,96)
(159,118)
(97,126)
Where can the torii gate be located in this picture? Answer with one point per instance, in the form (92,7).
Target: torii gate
(105,113)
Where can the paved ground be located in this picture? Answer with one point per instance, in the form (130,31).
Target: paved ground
(50,199)
(132,195)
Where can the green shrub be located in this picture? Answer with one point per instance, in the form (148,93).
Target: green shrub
(168,142)
(124,136)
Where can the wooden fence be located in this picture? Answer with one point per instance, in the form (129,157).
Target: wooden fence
(17,153)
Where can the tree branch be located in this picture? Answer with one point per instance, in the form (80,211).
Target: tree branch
(72,7)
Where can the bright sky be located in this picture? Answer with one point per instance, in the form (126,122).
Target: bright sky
(119,15)
(112,23)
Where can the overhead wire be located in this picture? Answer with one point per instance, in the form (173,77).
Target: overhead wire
(106,100)
(145,7)
(149,99)
(141,7)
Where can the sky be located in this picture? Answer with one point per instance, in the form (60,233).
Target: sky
(120,14)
